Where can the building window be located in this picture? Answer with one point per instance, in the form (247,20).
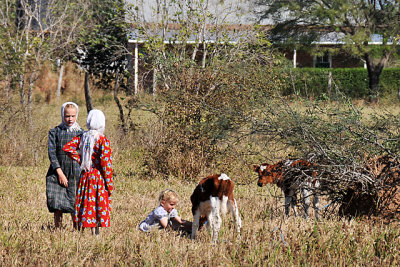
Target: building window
(324,61)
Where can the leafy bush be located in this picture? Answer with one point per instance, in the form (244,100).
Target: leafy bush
(390,82)
(201,109)
(353,82)
(306,82)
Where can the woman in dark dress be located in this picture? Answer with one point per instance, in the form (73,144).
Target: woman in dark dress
(62,178)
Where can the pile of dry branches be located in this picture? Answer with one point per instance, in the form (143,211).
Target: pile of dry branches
(355,153)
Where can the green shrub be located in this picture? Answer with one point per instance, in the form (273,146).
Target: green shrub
(390,82)
(353,82)
(202,109)
(308,82)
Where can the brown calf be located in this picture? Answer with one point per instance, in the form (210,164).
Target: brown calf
(212,196)
(285,175)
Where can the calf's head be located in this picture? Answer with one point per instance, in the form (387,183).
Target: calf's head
(268,173)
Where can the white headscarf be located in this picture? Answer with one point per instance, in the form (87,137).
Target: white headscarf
(75,127)
(96,123)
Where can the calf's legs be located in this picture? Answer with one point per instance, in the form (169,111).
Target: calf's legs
(290,200)
(233,208)
(213,215)
(307,193)
(216,218)
(195,224)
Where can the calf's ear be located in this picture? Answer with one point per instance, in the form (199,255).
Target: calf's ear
(255,167)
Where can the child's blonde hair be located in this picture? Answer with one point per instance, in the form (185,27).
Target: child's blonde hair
(168,195)
(69,106)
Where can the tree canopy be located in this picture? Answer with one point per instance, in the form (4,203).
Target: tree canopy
(361,25)
(103,43)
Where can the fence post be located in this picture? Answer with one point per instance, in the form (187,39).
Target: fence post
(136,67)
(59,79)
(329,83)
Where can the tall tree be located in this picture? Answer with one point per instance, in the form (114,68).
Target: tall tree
(103,47)
(354,22)
(103,43)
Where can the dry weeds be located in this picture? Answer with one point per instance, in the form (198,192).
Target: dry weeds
(27,237)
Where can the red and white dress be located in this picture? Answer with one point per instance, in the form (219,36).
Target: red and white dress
(93,203)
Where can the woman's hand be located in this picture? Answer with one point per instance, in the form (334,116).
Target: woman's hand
(62,179)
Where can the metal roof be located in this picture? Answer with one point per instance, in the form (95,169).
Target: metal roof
(236,18)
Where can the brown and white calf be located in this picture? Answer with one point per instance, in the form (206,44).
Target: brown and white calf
(290,176)
(212,197)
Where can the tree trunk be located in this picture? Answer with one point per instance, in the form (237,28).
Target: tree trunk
(195,49)
(30,96)
(154,82)
(373,85)
(88,96)
(203,60)
(131,70)
(374,73)
(398,94)
(121,110)
(22,92)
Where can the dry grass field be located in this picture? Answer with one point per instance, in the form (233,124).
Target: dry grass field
(27,237)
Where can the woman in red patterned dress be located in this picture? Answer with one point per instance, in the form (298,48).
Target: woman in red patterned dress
(92,150)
